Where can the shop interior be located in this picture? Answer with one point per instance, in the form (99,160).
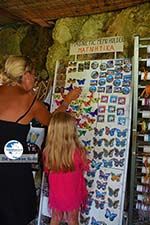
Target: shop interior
(103,47)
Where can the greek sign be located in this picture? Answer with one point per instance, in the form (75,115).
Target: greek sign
(102,45)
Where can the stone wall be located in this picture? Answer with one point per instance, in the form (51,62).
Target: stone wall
(46,46)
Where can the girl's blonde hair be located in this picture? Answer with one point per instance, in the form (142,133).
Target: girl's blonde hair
(62,140)
(14,68)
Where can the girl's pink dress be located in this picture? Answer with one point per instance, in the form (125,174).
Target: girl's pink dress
(67,191)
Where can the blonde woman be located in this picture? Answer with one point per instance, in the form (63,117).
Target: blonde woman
(18,106)
(65,162)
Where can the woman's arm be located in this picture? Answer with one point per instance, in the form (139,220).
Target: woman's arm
(43,115)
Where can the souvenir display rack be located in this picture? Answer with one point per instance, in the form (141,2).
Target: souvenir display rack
(139,203)
(103,113)
(103,116)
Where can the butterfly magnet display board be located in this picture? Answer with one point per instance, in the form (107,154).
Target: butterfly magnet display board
(103,115)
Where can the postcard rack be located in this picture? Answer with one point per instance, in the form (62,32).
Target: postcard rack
(139,206)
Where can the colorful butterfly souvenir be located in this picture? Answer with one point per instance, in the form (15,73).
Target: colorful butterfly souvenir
(84,220)
(119,153)
(89,183)
(95,222)
(115,177)
(79,101)
(90,96)
(95,164)
(108,152)
(90,194)
(85,125)
(121,143)
(78,121)
(100,194)
(86,210)
(107,163)
(72,63)
(57,96)
(98,132)
(94,100)
(97,142)
(71,80)
(103,175)
(75,107)
(82,132)
(86,143)
(71,70)
(118,162)
(87,103)
(88,206)
(81,82)
(90,120)
(113,204)
(87,110)
(69,88)
(108,142)
(94,113)
(58,102)
(109,131)
(99,204)
(101,185)
(91,173)
(110,215)
(97,155)
(113,192)
(121,133)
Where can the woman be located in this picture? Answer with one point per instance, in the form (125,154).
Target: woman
(18,106)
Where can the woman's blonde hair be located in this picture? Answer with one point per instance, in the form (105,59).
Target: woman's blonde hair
(62,141)
(15,67)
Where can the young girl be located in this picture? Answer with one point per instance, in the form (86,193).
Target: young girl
(65,161)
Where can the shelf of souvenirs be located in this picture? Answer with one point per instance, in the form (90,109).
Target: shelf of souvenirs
(142,176)
(141,199)
(143,84)
(144,78)
(142,187)
(142,179)
(142,150)
(142,154)
(143,137)
(144,142)
(142,108)
(143,120)
(142,164)
(143,134)
(143,59)
(144,74)
(143,114)
(143,101)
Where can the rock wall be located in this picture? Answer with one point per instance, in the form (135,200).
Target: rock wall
(46,46)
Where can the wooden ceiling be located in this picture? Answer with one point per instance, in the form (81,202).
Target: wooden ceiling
(46,12)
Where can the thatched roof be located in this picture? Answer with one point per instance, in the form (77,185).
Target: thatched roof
(45,12)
